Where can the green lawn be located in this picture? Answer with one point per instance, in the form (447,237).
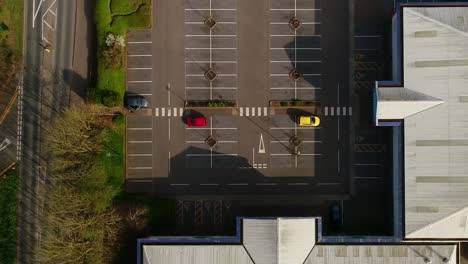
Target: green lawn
(8,205)
(11,14)
(112,157)
(117,16)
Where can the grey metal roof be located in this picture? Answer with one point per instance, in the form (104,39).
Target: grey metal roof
(292,241)
(436,140)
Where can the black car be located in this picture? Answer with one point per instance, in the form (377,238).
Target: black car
(135,102)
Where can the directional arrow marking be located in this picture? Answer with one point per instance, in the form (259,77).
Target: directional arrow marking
(261,145)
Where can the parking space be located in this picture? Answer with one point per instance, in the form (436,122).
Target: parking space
(287,154)
(139,63)
(221,154)
(139,147)
(295,49)
(210,49)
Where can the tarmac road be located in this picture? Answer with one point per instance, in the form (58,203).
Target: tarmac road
(46,90)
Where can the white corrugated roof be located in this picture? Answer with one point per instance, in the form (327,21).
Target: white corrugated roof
(436,140)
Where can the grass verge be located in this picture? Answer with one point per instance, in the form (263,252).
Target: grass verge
(11,16)
(8,207)
(116,17)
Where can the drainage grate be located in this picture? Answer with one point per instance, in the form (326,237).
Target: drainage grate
(210,74)
(295,74)
(210,22)
(295,23)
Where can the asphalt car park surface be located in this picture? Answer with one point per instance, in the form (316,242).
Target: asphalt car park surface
(252,49)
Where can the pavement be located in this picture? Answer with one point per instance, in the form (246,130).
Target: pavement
(251,50)
(49,41)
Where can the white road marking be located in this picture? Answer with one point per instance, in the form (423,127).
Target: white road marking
(287,23)
(214,128)
(247,111)
(209,184)
(179,184)
(295,9)
(139,81)
(140,155)
(139,128)
(174,111)
(285,128)
(295,48)
(298,183)
(296,88)
(211,48)
(210,9)
(169,127)
(140,168)
(261,145)
(266,184)
(214,88)
(140,55)
(139,141)
(326,110)
(209,35)
(241,111)
(344,110)
(156,111)
(338,112)
(139,69)
(332,111)
(163,111)
(253,111)
(304,35)
(350,110)
(214,154)
(219,62)
(295,61)
(181,111)
(168,112)
(139,42)
(286,141)
(265,111)
(238,184)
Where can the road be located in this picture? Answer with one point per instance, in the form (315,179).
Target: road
(45,91)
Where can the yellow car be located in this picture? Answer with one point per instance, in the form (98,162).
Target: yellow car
(309,121)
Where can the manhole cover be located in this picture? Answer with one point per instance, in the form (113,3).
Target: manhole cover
(295,141)
(210,141)
(295,23)
(210,74)
(210,22)
(295,74)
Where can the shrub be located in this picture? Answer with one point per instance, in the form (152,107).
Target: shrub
(112,56)
(111,98)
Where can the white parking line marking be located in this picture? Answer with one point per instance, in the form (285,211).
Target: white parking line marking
(219,62)
(296,88)
(265,111)
(295,61)
(140,168)
(247,111)
(259,111)
(156,111)
(214,128)
(139,42)
(211,48)
(140,155)
(139,141)
(139,68)
(293,9)
(181,111)
(163,111)
(214,88)
(168,112)
(287,23)
(253,111)
(214,154)
(287,128)
(139,81)
(304,35)
(139,128)
(241,111)
(210,9)
(295,48)
(174,110)
(209,35)
(140,55)
(201,23)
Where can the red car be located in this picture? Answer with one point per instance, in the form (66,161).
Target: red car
(196,121)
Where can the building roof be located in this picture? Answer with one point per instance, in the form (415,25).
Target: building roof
(291,241)
(435,63)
